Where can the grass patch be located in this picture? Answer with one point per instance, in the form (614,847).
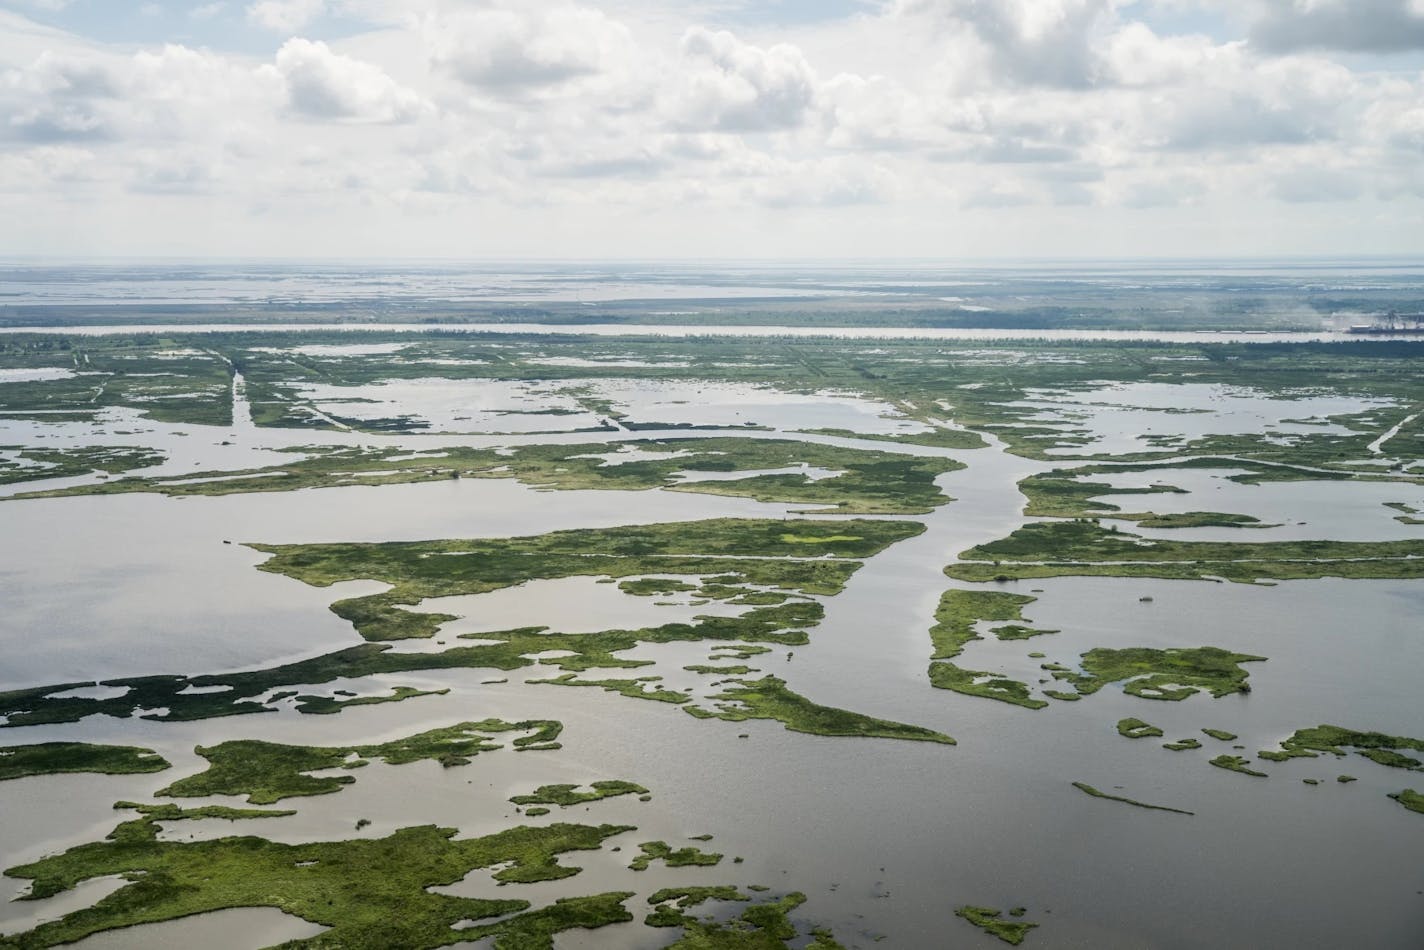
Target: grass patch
(1235,763)
(268,772)
(53,758)
(368,892)
(1085,548)
(1170,674)
(566,796)
(1090,790)
(673,857)
(1137,729)
(768,698)
(1410,799)
(992,922)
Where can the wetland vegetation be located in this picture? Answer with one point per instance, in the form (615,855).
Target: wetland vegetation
(321,419)
(53,758)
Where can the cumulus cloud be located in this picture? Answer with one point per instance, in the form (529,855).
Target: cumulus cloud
(1036,42)
(324,85)
(519,50)
(733,86)
(1361,26)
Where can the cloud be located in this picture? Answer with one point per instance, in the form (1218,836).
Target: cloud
(320,84)
(1033,42)
(285,16)
(1359,26)
(522,50)
(732,86)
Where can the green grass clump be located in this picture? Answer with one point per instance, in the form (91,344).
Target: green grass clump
(1235,763)
(330,704)
(673,858)
(52,758)
(1375,746)
(1410,799)
(768,698)
(171,812)
(945,675)
(1220,734)
(568,795)
(738,552)
(368,892)
(762,926)
(670,902)
(268,772)
(868,481)
(991,922)
(636,688)
(958,612)
(1083,547)
(1084,787)
(22,463)
(1170,674)
(1182,744)
(1137,729)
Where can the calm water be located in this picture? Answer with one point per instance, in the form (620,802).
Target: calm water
(884,837)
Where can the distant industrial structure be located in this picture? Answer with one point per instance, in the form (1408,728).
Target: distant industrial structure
(1392,322)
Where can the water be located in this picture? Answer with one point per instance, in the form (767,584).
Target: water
(884,837)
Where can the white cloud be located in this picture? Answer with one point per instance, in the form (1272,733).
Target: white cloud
(1036,42)
(321,84)
(517,50)
(285,16)
(737,87)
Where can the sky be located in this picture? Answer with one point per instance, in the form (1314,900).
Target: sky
(728,129)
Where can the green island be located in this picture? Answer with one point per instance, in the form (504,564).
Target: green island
(867,481)
(687,857)
(1090,790)
(566,796)
(730,553)
(1181,745)
(958,613)
(761,926)
(171,812)
(1137,729)
(53,758)
(992,922)
(368,892)
(1086,548)
(1220,735)
(1170,674)
(768,698)
(19,463)
(268,772)
(1235,763)
(1376,746)
(637,687)
(1410,799)
(330,704)
(670,902)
